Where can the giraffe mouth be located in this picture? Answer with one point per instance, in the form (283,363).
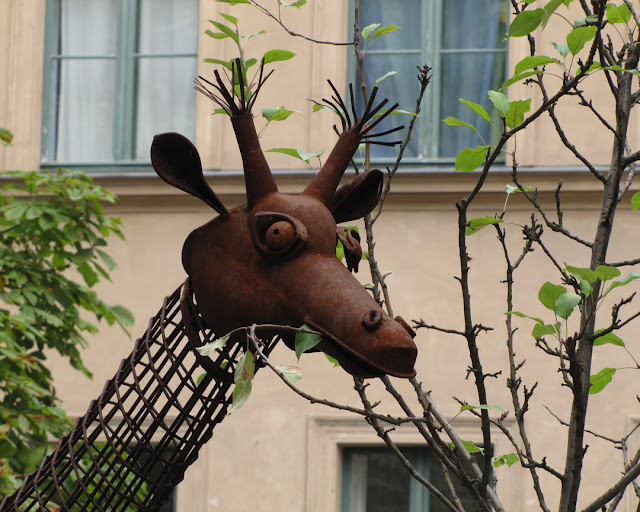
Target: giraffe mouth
(396,358)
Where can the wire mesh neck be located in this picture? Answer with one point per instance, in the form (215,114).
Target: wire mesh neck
(135,442)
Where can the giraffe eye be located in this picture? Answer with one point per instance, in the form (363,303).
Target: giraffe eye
(277,235)
(280,235)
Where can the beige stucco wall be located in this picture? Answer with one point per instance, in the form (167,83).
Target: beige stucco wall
(285,450)
(278,451)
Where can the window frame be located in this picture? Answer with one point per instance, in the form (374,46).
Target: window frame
(126,58)
(429,124)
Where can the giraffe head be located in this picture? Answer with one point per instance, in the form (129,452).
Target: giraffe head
(272,260)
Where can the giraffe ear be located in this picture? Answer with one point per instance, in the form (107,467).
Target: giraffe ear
(176,160)
(358,197)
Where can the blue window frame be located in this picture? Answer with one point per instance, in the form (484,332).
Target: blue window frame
(463,42)
(374,480)
(116,72)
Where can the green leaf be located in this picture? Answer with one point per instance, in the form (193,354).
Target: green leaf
(534,61)
(616,67)
(291,373)
(368,30)
(467,407)
(600,380)
(478,109)
(606,272)
(308,156)
(511,189)
(470,159)
(470,446)
(205,350)
(385,30)
(306,340)
(633,276)
(397,111)
(635,201)
(286,151)
(6,136)
(562,48)
(277,56)
(7,448)
(333,361)
(592,18)
(500,101)
(123,316)
(583,272)
(200,378)
(549,293)
(618,14)
(385,76)
(452,121)
(578,37)
(225,63)
(230,18)
(595,66)
(108,260)
(297,153)
(249,36)
(245,369)
(277,113)
(225,30)
(518,78)
(517,110)
(526,22)
(541,330)
(565,304)
(522,315)
(549,9)
(297,4)
(90,277)
(608,339)
(240,394)
(509,459)
(475,225)
(233,2)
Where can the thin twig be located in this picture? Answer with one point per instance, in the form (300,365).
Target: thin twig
(279,21)
(251,331)
(384,435)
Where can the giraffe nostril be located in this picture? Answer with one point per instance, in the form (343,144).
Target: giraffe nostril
(372,319)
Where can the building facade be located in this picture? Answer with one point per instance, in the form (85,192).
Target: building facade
(87,84)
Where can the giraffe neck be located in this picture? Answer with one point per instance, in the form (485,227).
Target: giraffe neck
(136,440)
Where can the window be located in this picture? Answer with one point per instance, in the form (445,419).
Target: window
(116,72)
(374,480)
(463,41)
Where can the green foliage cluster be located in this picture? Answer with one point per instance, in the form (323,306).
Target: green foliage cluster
(52,234)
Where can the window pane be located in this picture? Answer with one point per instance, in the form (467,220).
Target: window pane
(486,72)
(378,481)
(374,480)
(404,13)
(166,100)
(85,111)
(168,26)
(88,28)
(474,23)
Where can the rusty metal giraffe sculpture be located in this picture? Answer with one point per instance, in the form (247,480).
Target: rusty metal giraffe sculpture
(268,261)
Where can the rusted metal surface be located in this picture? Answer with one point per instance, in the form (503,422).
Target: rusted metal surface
(135,442)
(269,261)
(272,260)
